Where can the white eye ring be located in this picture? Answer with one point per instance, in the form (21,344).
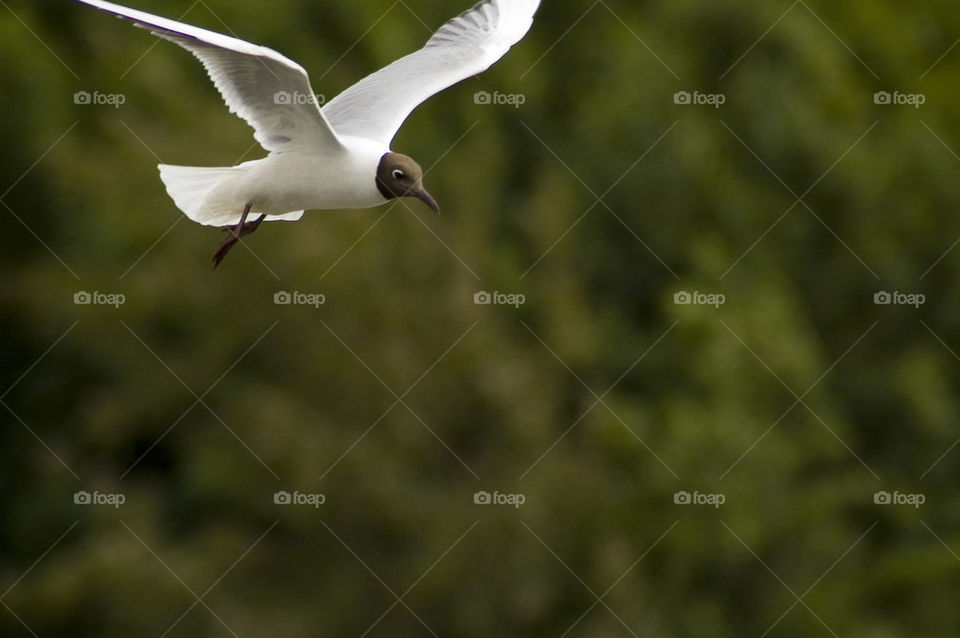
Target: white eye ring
(398,174)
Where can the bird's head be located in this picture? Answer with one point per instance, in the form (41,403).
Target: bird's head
(399,176)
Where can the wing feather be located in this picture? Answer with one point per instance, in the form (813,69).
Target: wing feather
(270,92)
(377,106)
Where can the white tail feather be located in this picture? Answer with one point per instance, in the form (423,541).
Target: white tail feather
(189,186)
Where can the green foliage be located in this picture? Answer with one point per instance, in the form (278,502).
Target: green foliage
(598,399)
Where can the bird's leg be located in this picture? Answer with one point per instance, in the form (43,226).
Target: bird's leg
(236,232)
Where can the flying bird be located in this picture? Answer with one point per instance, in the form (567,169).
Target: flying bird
(333,157)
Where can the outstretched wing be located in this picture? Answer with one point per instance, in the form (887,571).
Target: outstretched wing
(377,106)
(271,92)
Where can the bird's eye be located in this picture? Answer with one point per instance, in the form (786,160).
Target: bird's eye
(398,174)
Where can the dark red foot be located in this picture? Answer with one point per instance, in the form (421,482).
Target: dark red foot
(236,232)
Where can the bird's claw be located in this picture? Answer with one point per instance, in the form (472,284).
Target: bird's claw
(236,232)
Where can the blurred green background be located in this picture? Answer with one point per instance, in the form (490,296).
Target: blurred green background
(600,400)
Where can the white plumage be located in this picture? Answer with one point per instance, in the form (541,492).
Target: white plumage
(376,106)
(330,158)
(320,158)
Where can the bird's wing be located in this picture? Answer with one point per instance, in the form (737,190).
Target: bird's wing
(271,92)
(376,107)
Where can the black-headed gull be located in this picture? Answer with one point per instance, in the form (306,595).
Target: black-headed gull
(333,157)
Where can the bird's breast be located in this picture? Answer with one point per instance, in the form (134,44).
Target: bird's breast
(285,182)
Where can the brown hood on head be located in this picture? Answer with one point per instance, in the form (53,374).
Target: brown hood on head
(399,176)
